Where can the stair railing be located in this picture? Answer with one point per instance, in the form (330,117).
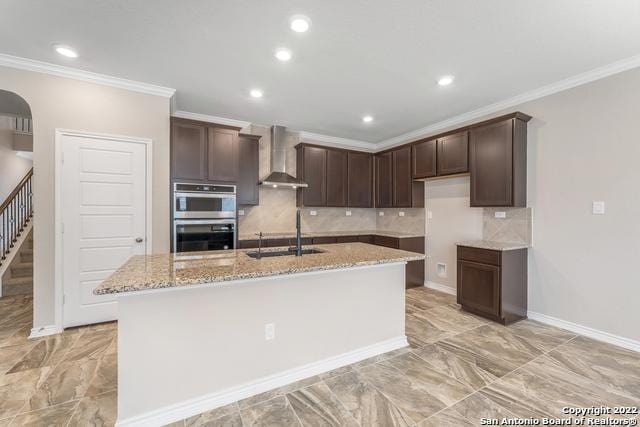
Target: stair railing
(15,213)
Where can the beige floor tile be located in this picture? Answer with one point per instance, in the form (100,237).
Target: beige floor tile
(55,416)
(478,406)
(446,418)
(16,389)
(45,352)
(9,356)
(316,405)
(92,344)
(106,376)
(365,402)
(208,417)
(276,412)
(100,410)
(67,381)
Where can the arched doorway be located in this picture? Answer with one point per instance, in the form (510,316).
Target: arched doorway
(16,215)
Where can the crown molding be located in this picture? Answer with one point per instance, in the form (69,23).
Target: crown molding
(211,119)
(336,141)
(568,83)
(87,76)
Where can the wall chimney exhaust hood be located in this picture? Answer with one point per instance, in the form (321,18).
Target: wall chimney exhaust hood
(279,176)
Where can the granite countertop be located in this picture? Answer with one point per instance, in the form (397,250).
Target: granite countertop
(145,272)
(292,234)
(495,246)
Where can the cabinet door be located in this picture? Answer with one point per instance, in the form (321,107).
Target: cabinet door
(336,178)
(491,157)
(453,154)
(222,155)
(247,191)
(479,287)
(402,180)
(389,242)
(188,151)
(424,159)
(314,173)
(384,180)
(360,180)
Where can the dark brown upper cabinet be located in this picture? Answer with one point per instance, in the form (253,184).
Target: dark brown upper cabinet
(360,180)
(222,155)
(336,178)
(498,160)
(424,159)
(311,166)
(402,179)
(453,154)
(384,180)
(188,151)
(247,184)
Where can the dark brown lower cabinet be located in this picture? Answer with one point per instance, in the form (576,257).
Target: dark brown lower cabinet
(414,275)
(493,284)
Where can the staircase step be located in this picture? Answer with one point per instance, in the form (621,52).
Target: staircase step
(22,269)
(17,286)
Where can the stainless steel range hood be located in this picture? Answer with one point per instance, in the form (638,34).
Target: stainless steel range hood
(279,176)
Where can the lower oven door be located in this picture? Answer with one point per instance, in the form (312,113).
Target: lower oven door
(203,235)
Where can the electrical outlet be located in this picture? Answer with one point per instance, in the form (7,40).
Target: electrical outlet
(269,331)
(598,208)
(348,213)
(240,212)
(313,213)
(500,215)
(401,213)
(380,213)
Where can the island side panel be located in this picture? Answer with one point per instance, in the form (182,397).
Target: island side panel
(187,343)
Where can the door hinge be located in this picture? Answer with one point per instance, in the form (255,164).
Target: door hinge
(64,299)
(62,157)
(62,227)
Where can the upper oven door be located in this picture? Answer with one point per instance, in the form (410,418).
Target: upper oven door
(204,205)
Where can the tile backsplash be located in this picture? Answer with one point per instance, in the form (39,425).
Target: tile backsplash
(413,220)
(516,227)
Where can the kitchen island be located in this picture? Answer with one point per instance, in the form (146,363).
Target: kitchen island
(201,330)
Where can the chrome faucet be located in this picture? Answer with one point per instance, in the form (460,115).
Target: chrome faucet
(298,235)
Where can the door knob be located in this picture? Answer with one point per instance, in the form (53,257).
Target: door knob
(139,240)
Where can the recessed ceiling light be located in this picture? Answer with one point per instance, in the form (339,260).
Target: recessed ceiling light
(256,93)
(300,23)
(367,119)
(65,51)
(283,54)
(445,80)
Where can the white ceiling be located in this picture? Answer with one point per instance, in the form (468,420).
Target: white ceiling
(377,57)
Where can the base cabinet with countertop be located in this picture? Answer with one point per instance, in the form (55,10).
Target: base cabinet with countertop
(493,283)
(414,270)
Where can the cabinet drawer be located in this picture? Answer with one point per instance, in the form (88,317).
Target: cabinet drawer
(272,243)
(324,240)
(366,239)
(389,242)
(483,256)
(347,239)
(247,244)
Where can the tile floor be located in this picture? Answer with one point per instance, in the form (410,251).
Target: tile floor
(458,369)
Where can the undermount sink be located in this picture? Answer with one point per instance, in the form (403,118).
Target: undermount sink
(288,252)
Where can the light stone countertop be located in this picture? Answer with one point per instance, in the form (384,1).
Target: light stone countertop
(145,272)
(291,235)
(495,246)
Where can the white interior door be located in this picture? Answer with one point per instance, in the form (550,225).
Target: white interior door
(103,213)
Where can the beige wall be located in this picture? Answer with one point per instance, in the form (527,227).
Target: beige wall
(58,102)
(452,221)
(583,146)
(12,168)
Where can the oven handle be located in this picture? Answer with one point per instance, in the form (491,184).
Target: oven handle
(206,195)
(204,221)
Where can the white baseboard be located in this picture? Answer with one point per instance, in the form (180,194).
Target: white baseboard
(586,331)
(43,331)
(191,407)
(440,287)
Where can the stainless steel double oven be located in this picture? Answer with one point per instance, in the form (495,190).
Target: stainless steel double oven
(204,217)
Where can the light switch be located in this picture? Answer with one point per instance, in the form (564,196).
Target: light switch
(313,213)
(380,213)
(240,212)
(500,215)
(348,213)
(598,207)
(401,213)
